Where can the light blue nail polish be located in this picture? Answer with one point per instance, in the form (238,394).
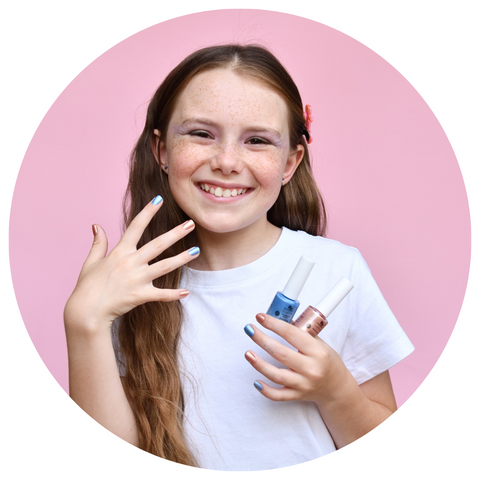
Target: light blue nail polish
(157,200)
(285,304)
(249,330)
(258,386)
(193,251)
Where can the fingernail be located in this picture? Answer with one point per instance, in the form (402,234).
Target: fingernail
(94,230)
(250,356)
(183,293)
(188,224)
(249,330)
(157,200)
(260,317)
(194,251)
(258,386)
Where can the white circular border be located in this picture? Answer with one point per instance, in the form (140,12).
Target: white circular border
(46,44)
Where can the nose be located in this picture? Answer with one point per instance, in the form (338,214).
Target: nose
(228,159)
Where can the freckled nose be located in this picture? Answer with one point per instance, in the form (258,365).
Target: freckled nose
(228,159)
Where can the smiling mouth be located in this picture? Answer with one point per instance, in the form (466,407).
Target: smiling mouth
(222,192)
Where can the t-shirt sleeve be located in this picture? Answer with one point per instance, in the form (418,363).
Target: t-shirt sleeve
(375,340)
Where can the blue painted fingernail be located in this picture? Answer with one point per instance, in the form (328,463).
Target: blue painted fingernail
(258,386)
(157,200)
(249,330)
(194,251)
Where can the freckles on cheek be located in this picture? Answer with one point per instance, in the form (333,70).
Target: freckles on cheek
(184,158)
(269,171)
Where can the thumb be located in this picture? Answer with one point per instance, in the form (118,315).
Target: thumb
(99,246)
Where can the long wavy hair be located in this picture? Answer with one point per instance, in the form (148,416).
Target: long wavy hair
(149,334)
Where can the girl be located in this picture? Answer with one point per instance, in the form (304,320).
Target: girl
(224,157)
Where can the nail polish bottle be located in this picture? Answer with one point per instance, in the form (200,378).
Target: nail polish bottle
(314,319)
(285,304)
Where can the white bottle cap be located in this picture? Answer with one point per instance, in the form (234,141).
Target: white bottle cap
(298,278)
(331,300)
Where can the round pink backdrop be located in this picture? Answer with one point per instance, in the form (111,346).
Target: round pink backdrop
(392,184)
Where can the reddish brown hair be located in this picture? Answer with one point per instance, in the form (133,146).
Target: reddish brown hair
(149,334)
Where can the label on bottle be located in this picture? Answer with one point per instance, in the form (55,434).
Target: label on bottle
(283,308)
(311,321)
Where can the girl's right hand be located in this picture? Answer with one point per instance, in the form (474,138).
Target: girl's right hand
(111,285)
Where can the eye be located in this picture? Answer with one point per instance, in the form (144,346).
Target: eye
(258,141)
(200,133)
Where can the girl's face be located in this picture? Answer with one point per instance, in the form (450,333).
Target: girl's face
(227,150)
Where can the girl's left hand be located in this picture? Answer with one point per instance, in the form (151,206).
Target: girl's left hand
(314,372)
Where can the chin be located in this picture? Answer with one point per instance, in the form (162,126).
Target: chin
(221,228)
(229,225)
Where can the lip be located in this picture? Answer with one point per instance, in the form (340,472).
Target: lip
(222,185)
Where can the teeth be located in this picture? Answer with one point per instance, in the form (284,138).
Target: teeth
(219,192)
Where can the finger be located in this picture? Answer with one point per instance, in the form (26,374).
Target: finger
(284,354)
(99,246)
(164,294)
(168,265)
(282,394)
(296,337)
(158,245)
(280,376)
(138,225)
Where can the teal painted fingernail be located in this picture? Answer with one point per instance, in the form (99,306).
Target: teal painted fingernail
(194,251)
(258,386)
(157,200)
(249,330)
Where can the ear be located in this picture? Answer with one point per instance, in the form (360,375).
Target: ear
(293,161)
(155,143)
(159,150)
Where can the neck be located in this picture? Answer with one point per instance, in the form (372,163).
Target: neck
(223,251)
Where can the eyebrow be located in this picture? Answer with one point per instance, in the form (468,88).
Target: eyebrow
(265,129)
(202,120)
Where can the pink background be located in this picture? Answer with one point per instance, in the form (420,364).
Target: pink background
(391,181)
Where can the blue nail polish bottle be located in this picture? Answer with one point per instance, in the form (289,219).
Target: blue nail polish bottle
(285,304)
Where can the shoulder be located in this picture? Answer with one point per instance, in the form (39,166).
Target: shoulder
(321,248)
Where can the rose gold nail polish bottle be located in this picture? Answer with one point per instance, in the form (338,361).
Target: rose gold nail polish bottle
(314,319)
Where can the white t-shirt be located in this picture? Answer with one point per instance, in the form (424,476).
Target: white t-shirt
(229,424)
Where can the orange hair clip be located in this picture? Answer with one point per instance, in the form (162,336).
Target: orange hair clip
(308,123)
